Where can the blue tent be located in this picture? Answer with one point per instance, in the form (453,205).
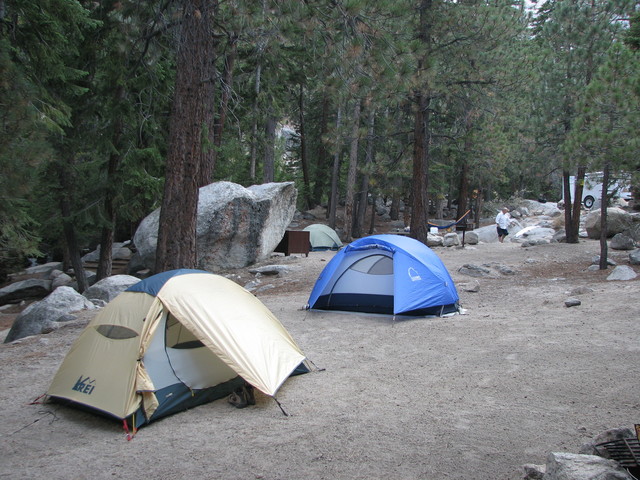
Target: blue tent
(389,274)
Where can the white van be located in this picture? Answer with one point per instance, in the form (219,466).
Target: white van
(619,187)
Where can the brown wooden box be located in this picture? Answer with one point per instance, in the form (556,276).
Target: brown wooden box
(294,241)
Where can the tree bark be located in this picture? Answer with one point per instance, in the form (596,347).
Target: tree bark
(191,117)
(352,173)
(603,217)
(304,160)
(421,136)
(333,198)
(323,157)
(572,206)
(208,168)
(105,262)
(463,186)
(73,249)
(254,128)
(363,202)
(269,149)
(420,200)
(372,222)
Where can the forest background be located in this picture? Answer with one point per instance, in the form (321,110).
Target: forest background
(111,109)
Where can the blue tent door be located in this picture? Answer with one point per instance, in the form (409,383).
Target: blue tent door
(366,285)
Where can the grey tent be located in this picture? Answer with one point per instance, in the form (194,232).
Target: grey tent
(323,237)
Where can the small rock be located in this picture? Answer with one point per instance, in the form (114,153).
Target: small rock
(505,270)
(270,270)
(533,472)
(253,285)
(596,261)
(473,287)
(474,270)
(572,302)
(581,290)
(622,272)
(622,241)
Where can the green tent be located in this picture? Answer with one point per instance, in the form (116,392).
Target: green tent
(323,237)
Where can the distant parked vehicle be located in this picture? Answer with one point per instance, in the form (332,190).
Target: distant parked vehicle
(619,187)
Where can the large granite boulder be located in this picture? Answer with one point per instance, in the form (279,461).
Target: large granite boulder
(618,221)
(44,316)
(119,251)
(109,288)
(534,208)
(236,226)
(570,466)
(489,234)
(31,288)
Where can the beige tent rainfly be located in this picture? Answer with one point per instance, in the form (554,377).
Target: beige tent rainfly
(173,341)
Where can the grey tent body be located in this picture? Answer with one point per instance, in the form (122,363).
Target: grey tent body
(323,237)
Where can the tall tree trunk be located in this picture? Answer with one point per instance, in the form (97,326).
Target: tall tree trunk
(572,206)
(352,173)
(577,204)
(304,160)
(372,223)
(253,155)
(105,262)
(568,211)
(479,198)
(323,158)
(421,136)
(419,197)
(335,173)
(358,225)
(463,186)
(190,118)
(604,231)
(397,198)
(68,229)
(269,149)
(463,189)
(226,82)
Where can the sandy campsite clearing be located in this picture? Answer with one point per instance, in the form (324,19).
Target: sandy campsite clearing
(472,396)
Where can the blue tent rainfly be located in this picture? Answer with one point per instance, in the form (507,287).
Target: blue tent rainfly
(388,274)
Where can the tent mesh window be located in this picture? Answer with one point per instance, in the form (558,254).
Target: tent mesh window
(374,265)
(116,332)
(176,336)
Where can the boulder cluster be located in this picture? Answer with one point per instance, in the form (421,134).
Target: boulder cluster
(236,227)
(593,462)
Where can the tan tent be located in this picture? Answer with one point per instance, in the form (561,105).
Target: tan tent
(173,341)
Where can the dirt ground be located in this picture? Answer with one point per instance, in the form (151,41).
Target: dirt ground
(472,396)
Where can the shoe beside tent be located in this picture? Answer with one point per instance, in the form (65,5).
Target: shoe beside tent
(389,274)
(323,237)
(173,341)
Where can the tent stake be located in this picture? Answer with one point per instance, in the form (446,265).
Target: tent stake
(282,409)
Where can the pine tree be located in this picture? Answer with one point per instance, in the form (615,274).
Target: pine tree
(604,135)
(574,37)
(191,119)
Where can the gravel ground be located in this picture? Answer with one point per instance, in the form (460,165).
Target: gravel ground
(472,396)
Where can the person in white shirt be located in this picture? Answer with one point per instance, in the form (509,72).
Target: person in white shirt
(502,223)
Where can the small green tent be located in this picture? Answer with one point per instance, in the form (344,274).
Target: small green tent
(323,237)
